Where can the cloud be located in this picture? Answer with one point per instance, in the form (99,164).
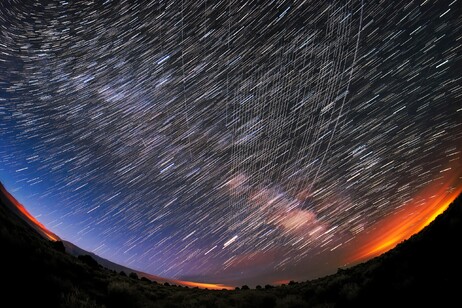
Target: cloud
(274,206)
(302,223)
(237,185)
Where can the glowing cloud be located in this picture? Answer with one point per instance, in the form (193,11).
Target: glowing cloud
(285,212)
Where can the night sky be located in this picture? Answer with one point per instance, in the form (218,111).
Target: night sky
(231,141)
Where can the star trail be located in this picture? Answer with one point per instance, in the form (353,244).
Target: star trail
(231,141)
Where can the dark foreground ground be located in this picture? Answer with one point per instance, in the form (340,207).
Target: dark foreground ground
(425,270)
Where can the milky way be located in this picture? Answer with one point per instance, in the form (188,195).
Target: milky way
(227,141)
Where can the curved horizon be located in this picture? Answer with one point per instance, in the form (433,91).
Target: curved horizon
(386,234)
(234,144)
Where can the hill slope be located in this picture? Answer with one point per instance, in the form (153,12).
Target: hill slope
(77,251)
(424,269)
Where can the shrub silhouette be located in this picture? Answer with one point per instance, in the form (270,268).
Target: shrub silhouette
(121,294)
(133,275)
(75,298)
(292,301)
(350,291)
(291,283)
(58,246)
(269,301)
(87,259)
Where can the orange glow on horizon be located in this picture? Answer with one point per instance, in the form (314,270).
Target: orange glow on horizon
(210,286)
(50,235)
(280,282)
(402,225)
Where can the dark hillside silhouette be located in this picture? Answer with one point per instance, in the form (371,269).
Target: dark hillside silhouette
(422,271)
